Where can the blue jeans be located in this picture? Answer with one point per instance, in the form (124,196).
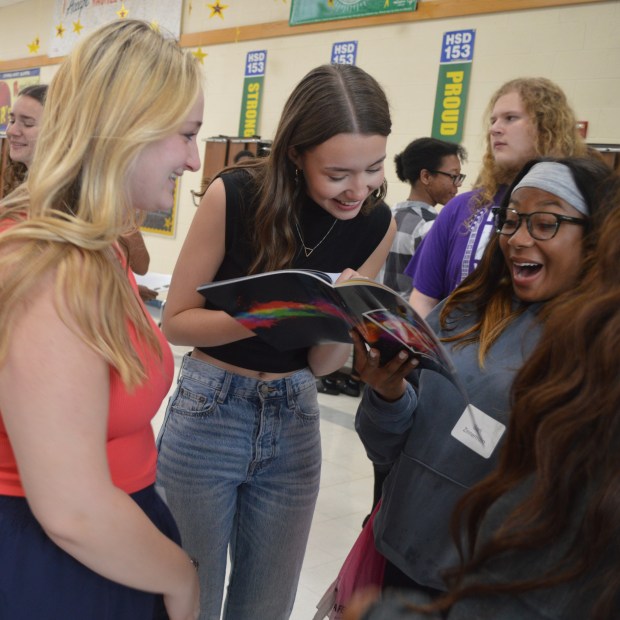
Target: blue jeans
(239,465)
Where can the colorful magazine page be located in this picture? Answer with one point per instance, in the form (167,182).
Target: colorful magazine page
(292,309)
(397,325)
(289,309)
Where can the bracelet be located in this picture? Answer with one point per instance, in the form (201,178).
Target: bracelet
(195,563)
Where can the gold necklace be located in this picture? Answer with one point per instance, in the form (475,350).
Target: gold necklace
(307,250)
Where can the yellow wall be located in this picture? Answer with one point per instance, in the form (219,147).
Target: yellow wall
(577,46)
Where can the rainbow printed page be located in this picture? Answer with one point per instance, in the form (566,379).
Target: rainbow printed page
(293,309)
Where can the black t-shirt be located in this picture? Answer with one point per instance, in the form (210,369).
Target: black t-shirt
(349,244)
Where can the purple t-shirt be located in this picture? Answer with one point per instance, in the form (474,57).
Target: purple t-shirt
(453,247)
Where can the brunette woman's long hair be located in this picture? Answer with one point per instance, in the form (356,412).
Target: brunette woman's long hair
(487,292)
(329,100)
(561,446)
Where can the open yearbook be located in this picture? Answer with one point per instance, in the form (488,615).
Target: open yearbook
(293,309)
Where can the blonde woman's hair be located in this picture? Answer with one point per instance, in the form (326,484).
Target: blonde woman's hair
(553,119)
(122,88)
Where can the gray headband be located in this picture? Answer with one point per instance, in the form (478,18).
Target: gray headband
(556,179)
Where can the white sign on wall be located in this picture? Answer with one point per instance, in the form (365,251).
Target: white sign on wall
(73,19)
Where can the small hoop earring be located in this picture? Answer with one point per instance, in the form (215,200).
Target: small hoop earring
(382,188)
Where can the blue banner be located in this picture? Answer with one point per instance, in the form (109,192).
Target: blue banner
(458,46)
(344,53)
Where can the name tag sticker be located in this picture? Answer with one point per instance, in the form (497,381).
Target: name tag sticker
(478,431)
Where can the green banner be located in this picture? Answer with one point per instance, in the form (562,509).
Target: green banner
(308,11)
(255,68)
(451,101)
(250,106)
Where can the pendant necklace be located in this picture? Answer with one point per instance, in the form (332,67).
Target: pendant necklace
(307,250)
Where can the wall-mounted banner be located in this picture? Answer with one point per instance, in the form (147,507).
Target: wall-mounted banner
(457,53)
(344,53)
(75,18)
(308,11)
(11,82)
(255,66)
(163,222)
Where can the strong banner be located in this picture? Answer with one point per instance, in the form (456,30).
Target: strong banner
(255,66)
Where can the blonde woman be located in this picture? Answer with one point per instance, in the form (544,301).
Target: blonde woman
(83,369)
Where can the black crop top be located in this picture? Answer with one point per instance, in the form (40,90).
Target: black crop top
(349,244)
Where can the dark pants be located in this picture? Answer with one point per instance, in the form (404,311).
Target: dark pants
(39,580)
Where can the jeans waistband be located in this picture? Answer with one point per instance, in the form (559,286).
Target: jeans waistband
(232,383)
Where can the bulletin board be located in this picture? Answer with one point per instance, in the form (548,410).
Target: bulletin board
(163,222)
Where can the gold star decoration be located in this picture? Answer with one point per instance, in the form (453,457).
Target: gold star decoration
(122,12)
(154,26)
(77,26)
(34,46)
(217,9)
(60,31)
(200,55)
(387,4)
(330,3)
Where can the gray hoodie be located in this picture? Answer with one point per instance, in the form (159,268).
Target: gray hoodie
(436,454)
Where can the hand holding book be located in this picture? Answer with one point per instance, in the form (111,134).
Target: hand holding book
(389,379)
(292,309)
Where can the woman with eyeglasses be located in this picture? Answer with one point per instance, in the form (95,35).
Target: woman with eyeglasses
(438,443)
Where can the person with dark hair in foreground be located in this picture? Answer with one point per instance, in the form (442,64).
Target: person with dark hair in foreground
(438,443)
(542,532)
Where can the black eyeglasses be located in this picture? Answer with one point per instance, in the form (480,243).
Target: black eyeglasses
(541,226)
(457,179)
